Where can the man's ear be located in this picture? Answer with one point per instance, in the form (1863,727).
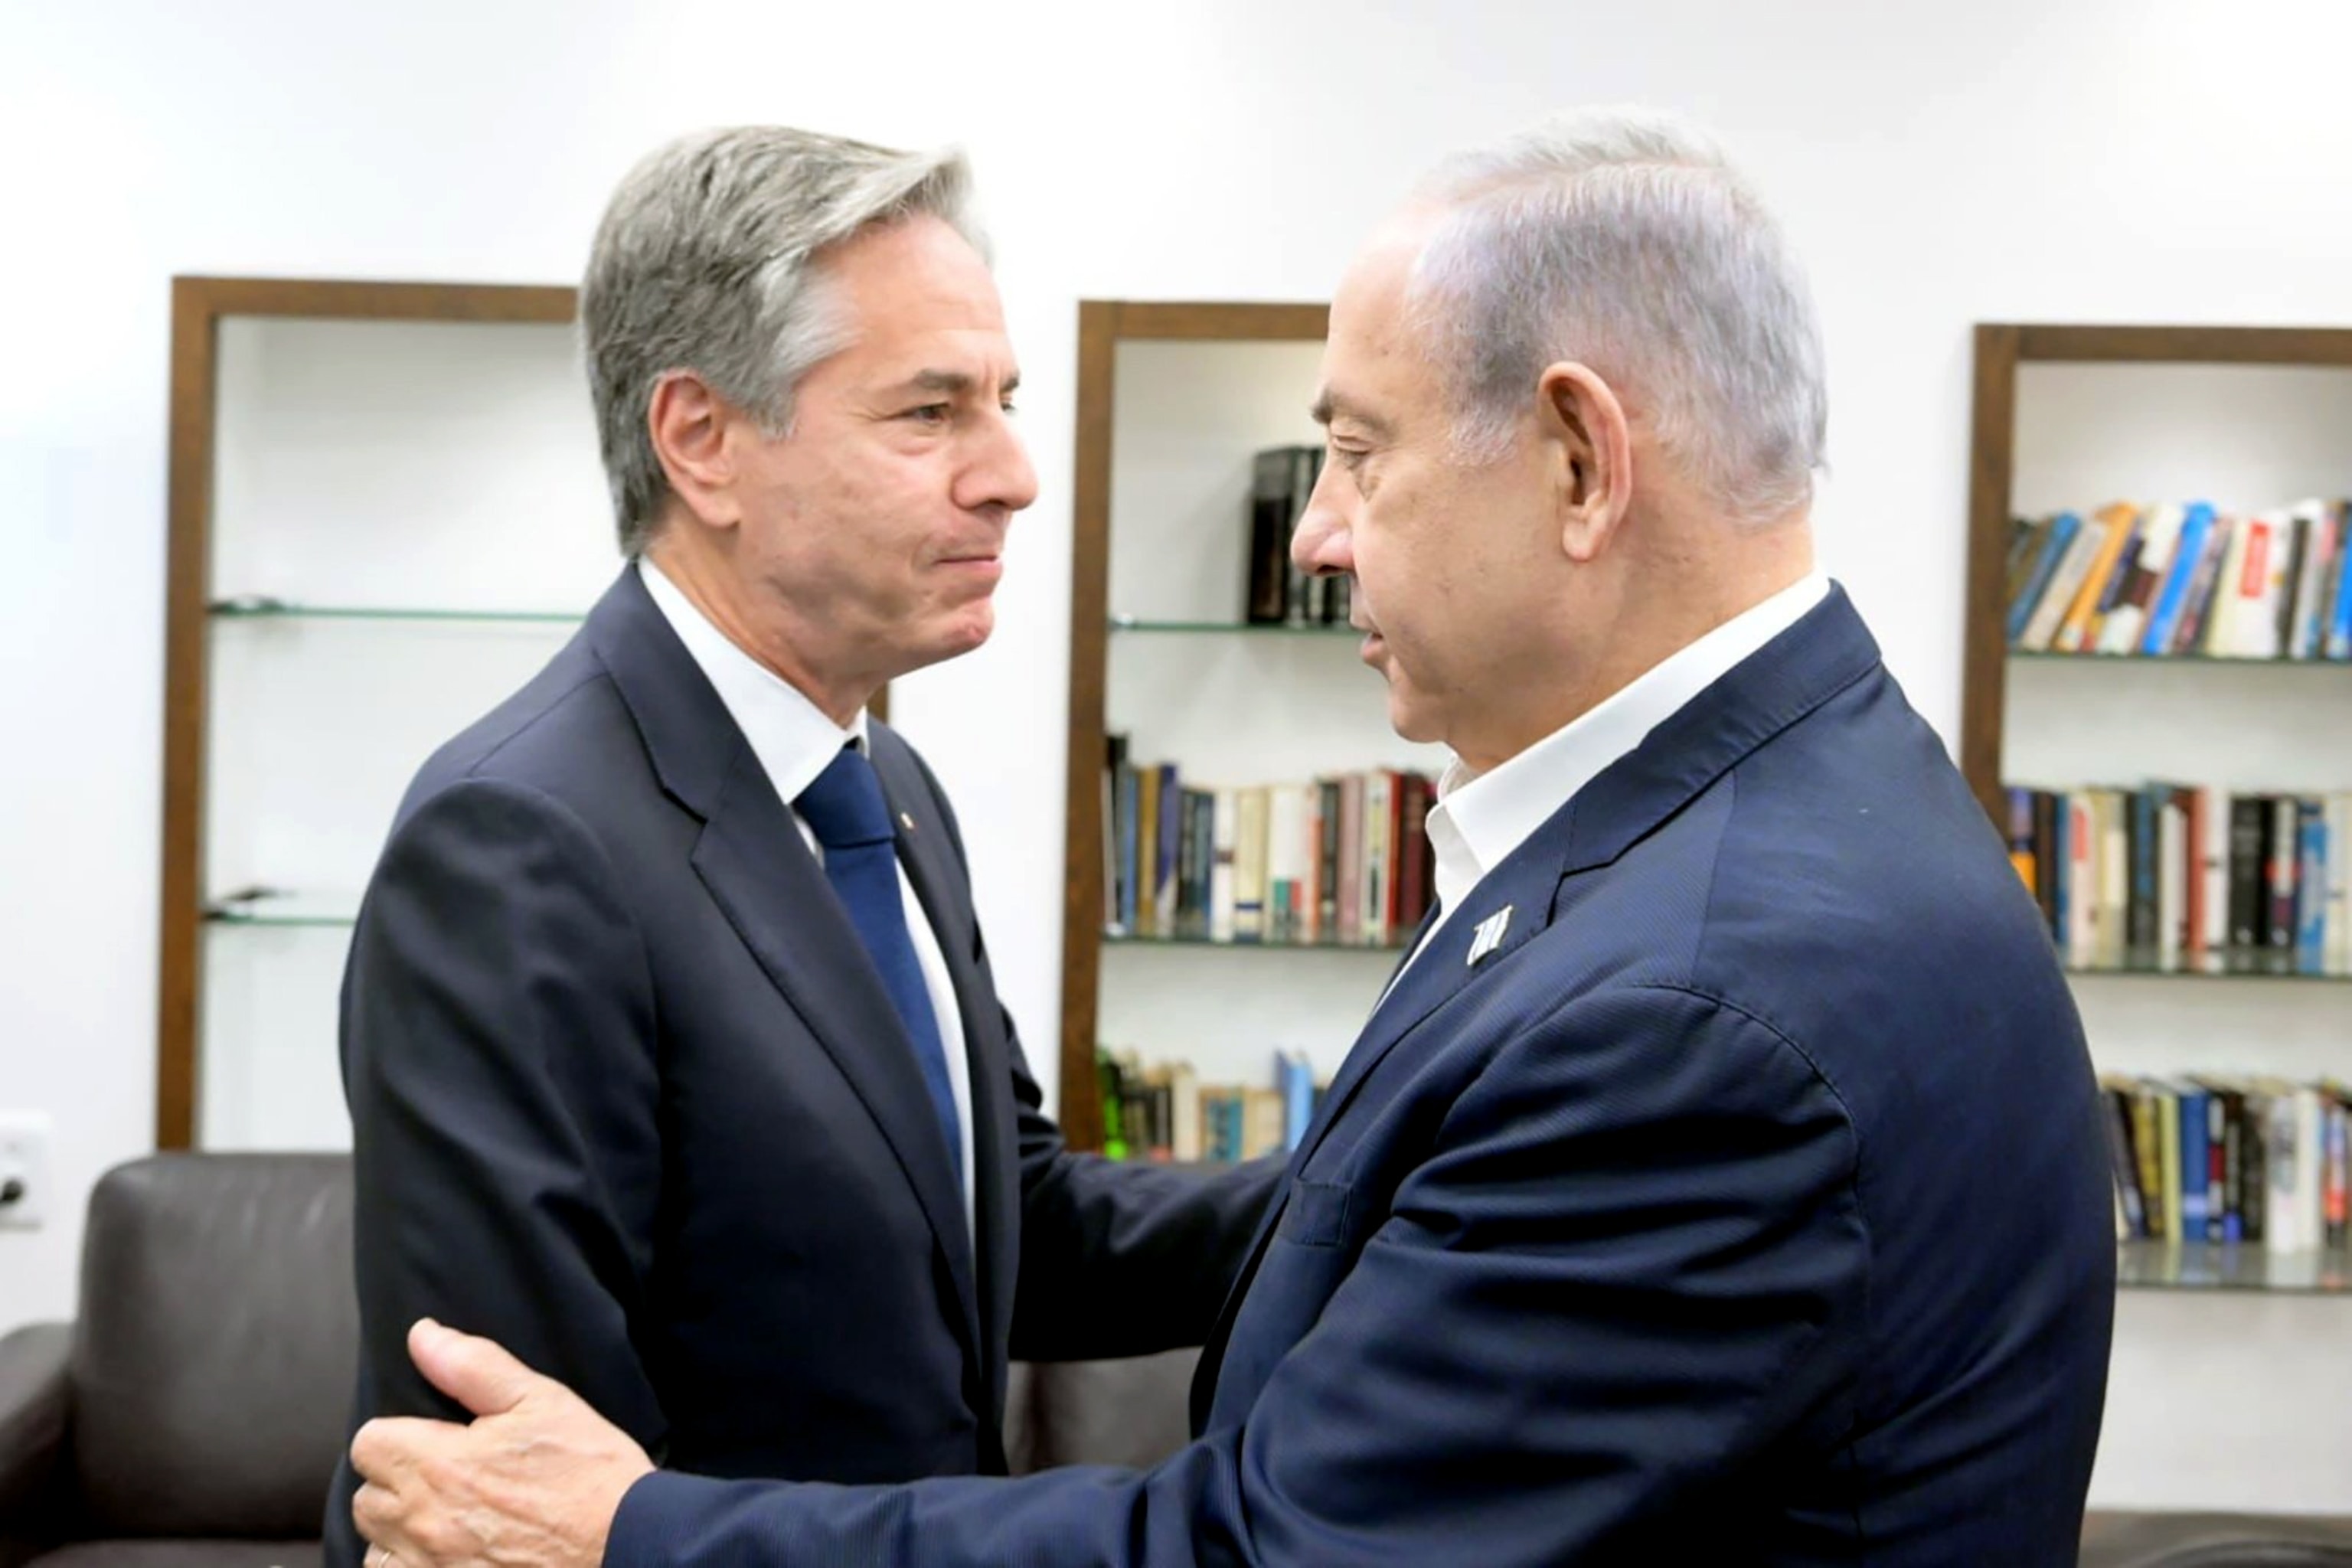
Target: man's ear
(1586,431)
(689,425)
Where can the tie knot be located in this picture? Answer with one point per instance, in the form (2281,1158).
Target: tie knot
(844,807)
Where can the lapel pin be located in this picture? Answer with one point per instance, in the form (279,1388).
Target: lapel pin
(907,822)
(1489,934)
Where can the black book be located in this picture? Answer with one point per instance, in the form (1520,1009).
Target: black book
(1267,600)
(2047,809)
(2249,831)
(2284,859)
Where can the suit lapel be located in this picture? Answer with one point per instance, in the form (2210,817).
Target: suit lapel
(1827,651)
(1524,885)
(752,858)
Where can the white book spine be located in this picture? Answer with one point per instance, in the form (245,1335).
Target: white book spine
(2221,632)
(2214,813)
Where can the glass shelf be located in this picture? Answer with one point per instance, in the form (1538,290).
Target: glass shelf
(281,910)
(2130,974)
(2231,1265)
(259,608)
(2045,655)
(1241,628)
(1120,938)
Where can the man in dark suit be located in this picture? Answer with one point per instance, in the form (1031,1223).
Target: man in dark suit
(1720,1180)
(672,1051)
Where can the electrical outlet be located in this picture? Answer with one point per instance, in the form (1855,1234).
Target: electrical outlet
(23,1169)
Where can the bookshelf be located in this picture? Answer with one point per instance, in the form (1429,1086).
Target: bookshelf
(2252,418)
(1172,400)
(385,513)
(339,453)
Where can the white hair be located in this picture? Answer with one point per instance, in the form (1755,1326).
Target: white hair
(703,263)
(1622,240)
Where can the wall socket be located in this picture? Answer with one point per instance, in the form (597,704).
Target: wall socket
(23,1169)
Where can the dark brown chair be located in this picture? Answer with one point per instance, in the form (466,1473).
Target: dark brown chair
(2215,1540)
(191,1417)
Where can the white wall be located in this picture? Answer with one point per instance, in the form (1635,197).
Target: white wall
(2111,159)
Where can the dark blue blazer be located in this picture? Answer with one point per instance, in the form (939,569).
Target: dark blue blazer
(1748,1204)
(628,1097)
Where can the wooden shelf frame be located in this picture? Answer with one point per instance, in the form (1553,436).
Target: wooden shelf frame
(2001,349)
(199,305)
(1103,325)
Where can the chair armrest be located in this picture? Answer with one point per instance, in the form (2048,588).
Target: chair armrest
(34,1403)
(2132,1539)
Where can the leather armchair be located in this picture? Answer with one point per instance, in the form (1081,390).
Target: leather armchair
(191,1418)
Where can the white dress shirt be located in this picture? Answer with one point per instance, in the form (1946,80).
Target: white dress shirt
(1479,819)
(794,743)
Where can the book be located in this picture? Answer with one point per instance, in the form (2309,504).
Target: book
(1266,599)
(2118,525)
(2056,540)
(2149,560)
(2196,524)
(2090,539)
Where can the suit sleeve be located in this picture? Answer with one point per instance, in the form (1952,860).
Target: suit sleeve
(1626,1274)
(1117,1259)
(497,1057)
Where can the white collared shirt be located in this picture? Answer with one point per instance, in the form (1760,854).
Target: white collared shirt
(1478,819)
(794,743)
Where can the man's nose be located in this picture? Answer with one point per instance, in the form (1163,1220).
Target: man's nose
(1319,543)
(1004,477)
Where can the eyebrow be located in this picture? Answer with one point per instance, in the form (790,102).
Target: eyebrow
(1330,405)
(954,383)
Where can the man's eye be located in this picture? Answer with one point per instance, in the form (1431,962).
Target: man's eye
(929,414)
(1350,458)
(1009,407)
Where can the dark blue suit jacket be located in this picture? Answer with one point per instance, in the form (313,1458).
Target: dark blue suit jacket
(1746,1204)
(628,1097)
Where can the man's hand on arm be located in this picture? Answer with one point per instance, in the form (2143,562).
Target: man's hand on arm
(535,1479)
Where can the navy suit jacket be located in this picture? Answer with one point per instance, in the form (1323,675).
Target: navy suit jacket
(1748,1204)
(628,1097)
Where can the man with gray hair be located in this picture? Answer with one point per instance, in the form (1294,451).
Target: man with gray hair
(672,1051)
(1720,1181)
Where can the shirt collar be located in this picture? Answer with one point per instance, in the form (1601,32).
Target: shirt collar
(790,734)
(1479,819)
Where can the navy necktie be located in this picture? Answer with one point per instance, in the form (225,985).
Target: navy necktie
(846,809)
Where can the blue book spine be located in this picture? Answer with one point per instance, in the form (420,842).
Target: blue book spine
(2311,888)
(2062,529)
(2196,1164)
(2195,525)
(2139,925)
(1130,813)
(2062,878)
(2340,629)
(1295,1079)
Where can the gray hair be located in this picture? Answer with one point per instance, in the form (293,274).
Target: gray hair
(1624,240)
(703,263)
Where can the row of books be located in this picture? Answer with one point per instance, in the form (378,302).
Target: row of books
(2259,1161)
(2190,878)
(1340,860)
(1277,592)
(2184,579)
(1162,1111)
